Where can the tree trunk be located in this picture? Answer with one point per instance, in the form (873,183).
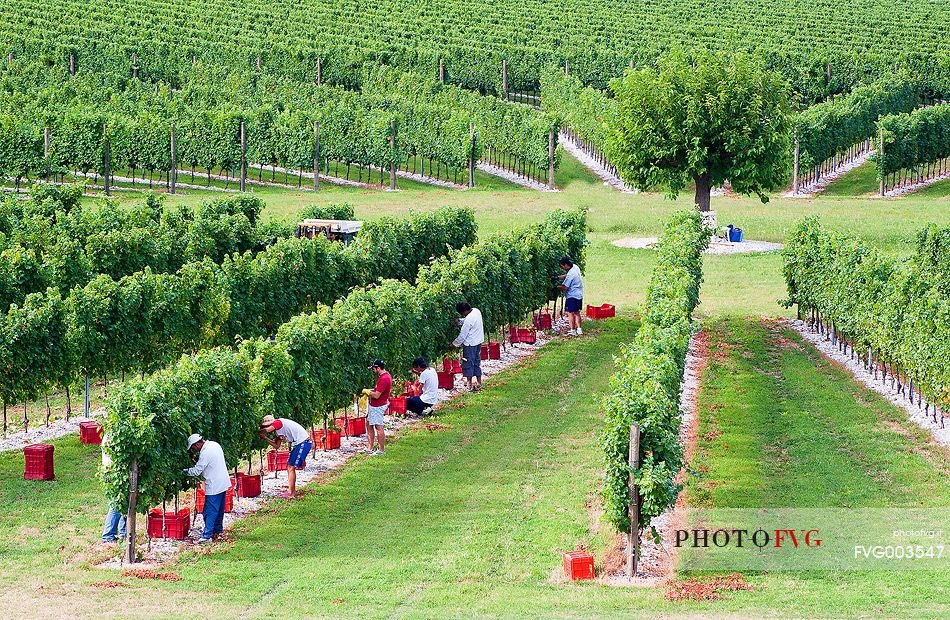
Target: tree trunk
(703,189)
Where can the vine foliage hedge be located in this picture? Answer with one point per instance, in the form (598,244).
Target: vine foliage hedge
(646,387)
(912,139)
(144,321)
(896,311)
(318,360)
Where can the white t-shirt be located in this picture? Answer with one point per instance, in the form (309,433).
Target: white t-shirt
(212,467)
(473,330)
(292,432)
(574,284)
(430,386)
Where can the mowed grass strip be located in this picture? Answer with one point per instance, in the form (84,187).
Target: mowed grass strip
(781,426)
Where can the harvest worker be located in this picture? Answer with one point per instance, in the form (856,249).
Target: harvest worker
(378,404)
(471,337)
(114,527)
(427,386)
(209,463)
(297,438)
(574,293)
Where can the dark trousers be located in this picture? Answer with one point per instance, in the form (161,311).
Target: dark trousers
(213,512)
(416,405)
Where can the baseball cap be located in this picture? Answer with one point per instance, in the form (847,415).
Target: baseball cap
(193,439)
(378,363)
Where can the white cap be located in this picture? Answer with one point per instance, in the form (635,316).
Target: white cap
(192,440)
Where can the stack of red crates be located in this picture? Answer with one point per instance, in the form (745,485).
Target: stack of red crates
(452,366)
(578,565)
(397,405)
(491,351)
(446,380)
(351,426)
(522,334)
(162,524)
(327,440)
(39,462)
(90,432)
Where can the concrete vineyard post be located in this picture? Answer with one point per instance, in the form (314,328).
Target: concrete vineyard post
(471,155)
(135,66)
(442,70)
(504,77)
(316,156)
(795,169)
(633,536)
(86,409)
(880,153)
(244,154)
(552,145)
(173,173)
(130,519)
(567,67)
(106,157)
(319,71)
(258,63)
(392,154)
(72,64)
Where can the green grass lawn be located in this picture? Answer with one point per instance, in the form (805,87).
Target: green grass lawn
(861,181)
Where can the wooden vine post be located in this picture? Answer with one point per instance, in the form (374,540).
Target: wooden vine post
(442,70)
(106,159)
(173,173)
(72,64)
(244,152)
(633,536)
(316,156)
(130,521)
(795,168)
(471,155)
(552,145)
(880,154)
(392,154)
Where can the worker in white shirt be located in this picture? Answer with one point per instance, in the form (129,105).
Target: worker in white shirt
(471,337)
(209,463)
(297,438)
(426,388)
(573,288)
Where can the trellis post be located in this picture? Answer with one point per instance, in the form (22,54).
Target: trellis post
(795,168)
(504,77)
(46,151)
(244,154)
(880,154)
(392,152)
(316,156)
(72,64)
(441,70)
(130,519)
(106,158)
(552,145)
(135,66)
(173,173)
(633,536)
(471,155)
(319,71)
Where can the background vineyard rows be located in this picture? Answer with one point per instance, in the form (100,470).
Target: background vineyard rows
(597,38)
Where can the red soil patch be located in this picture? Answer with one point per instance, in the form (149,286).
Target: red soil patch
(144,573)
(108,584)
(706,588)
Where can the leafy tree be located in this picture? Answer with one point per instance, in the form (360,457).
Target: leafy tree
(722,118)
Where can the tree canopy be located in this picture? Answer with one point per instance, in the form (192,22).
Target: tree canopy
(721,118)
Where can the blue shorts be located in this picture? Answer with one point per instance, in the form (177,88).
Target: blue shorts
(298,454)
(573,304)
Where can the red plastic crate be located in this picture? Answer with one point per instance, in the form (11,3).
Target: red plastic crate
(450,365)
(162,524)
(90,432)
(352,427)
(277,460)
(522,334)
(397,405)
(248,485)
(328,441)
(578,565)
(39,462)
(543,321)
(446,380)
(228,499)
(605,311)
(484,353)
(494,351)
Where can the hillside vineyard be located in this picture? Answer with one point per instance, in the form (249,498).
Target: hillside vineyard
(598,38)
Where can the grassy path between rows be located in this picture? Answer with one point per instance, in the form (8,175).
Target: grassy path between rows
(780,426)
